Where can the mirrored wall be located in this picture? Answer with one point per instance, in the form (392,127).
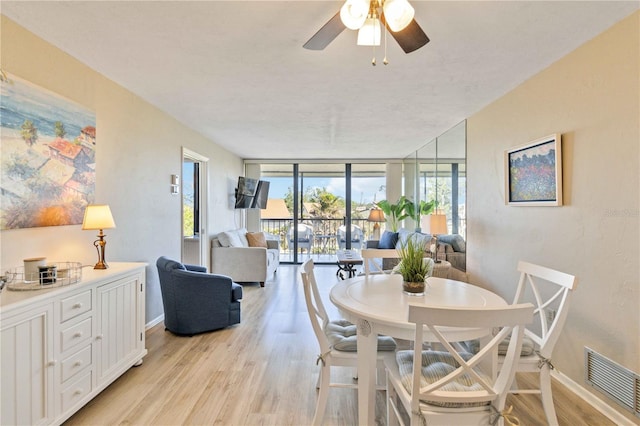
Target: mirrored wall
(437,172)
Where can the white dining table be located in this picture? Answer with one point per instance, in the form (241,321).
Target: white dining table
(377,305)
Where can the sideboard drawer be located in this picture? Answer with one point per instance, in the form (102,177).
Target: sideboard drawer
(75,335)
(76,391)
(75,305)
(76,363)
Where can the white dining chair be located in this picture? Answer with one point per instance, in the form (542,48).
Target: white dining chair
(337,341)
(549,290)
(451,388)
(370,260)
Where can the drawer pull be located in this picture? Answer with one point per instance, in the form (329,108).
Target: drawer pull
(77,305)
(99,337)
(52,363)
(77,363)
(78,392)
(77,334)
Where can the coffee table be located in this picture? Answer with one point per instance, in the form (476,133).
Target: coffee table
(347,262)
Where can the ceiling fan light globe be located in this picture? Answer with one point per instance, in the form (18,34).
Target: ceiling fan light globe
(369,34)
(353,13)
(398,14)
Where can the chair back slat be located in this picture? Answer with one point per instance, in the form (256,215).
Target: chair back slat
(315,307)
(548,287)
(369,256)
(508,320)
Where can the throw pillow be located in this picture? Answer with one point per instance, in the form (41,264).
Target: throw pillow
(456,241)
(388,240)
(242,236)
(256,239)
(230,239)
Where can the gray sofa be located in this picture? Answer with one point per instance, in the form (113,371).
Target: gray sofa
(231,255)
(451,248)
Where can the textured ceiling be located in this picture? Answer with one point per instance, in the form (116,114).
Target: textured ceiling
(236,72)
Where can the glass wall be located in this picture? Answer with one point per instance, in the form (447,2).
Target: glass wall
(322,199)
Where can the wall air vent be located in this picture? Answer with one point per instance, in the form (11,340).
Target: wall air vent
(612,379)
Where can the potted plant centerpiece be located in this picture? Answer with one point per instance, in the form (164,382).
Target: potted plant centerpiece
(414,267)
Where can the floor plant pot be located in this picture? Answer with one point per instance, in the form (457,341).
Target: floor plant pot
(413,288)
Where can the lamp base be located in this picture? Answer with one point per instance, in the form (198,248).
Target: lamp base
(101,265)
(100,244)
(376,231)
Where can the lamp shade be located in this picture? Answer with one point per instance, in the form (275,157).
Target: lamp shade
(98,216)
(376,215)
(434,224)
(354,12)
(369,34)
(398,14)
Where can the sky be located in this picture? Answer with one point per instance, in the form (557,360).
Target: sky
(363,190)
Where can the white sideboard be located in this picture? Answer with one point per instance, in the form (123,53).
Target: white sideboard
(60,347)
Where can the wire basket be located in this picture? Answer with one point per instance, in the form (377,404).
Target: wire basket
(55,274)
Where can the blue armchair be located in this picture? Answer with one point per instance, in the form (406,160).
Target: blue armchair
(194,301)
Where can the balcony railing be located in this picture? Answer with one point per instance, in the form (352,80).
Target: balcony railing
(325,239)
(325,234)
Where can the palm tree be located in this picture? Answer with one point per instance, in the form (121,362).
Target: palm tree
(29,132)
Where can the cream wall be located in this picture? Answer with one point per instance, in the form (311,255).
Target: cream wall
(138,148)
(591,97)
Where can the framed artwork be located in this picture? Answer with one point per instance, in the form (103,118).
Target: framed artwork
(47,157)
(533,173)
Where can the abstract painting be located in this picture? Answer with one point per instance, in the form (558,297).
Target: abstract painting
(534,173)
(47,162)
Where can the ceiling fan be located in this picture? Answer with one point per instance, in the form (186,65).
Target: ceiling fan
(366,16)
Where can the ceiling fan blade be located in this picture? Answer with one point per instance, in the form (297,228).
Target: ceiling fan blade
(411,38)
(326,34)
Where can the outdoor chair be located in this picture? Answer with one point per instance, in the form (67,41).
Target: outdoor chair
(357,237)
(304,235)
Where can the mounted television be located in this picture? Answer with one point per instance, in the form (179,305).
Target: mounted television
(262,195)
(245,192)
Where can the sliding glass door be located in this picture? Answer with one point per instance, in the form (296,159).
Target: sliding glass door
(316,209)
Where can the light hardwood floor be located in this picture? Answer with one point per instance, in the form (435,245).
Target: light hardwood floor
(259,372)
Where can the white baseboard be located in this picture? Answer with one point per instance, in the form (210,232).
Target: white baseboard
(592,400)
(153,322)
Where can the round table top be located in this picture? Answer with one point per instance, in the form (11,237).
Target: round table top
(379,299)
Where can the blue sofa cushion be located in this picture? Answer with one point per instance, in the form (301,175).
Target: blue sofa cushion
(388,240)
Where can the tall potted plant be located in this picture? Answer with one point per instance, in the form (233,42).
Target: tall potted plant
(414,267)
(417,211)
(394,212)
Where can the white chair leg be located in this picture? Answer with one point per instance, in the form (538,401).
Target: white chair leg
(547,396)
(323,395)
(381,378)
(392,418)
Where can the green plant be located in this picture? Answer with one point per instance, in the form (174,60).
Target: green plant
(412,266)
(394,212)
(423,208)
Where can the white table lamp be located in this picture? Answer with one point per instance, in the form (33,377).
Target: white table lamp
(98,216)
